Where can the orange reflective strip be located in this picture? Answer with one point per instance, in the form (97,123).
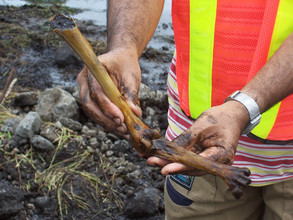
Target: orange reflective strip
(284,119)
(237,32)
(202,27)
(181,21)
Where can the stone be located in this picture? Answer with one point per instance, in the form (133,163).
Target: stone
(41,143)
(10,125)
(70,123)
(41,202)
(49,133)
(25,99)
(93,142)
(109,153)
(56,102)
(101,135)
(29,126)
(65,56)
(144,203)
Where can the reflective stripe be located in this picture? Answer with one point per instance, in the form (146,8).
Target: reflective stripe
(282,30)
(202,27)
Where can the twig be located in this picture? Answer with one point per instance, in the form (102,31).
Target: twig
(6,86)
(9,89)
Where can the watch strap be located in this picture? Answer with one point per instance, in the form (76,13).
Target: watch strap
(251,106)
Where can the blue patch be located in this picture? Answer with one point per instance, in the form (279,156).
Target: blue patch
(175,196)
(183,180)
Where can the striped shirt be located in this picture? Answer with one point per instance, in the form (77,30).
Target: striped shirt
(268,163)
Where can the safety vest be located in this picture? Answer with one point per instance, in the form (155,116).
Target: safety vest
(221,45)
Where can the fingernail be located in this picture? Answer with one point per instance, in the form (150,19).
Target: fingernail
(117,121)
(121,129)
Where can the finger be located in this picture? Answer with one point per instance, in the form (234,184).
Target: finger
(188,140)
(173,168)
(105,104)
(93,111)
(218,154)
(156,161)
(178,168)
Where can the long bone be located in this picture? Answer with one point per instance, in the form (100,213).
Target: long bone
(145,140)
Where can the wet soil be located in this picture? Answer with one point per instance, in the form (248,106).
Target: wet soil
(41,59)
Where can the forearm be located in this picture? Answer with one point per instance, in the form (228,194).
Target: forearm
(274,81)
(131,23)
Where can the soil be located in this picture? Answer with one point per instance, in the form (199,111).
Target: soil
(88,183)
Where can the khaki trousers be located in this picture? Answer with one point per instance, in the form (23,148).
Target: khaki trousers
(210,199)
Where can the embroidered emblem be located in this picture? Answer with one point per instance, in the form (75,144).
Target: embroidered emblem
(183,180)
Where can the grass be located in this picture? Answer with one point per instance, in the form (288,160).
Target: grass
(58,175)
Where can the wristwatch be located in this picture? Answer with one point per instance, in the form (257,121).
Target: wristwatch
(251,106)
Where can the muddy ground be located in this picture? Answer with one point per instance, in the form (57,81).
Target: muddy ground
(90,173)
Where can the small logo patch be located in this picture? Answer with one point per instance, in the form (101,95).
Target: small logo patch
(183,180)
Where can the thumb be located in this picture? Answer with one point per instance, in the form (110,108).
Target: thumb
(188,140)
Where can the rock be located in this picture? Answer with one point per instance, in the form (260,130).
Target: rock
(121,146)
(150,111)
(10,200)
(58,124)
(144,92)
(101,135)
(90,150)
(164,26)
(152,98)
(17,141)
(49,133)
(41,202)
(25,99)
(112,137)
(41,143)
(65,56)
(144,203)
(109,153)
(88,132)
(29,126)
(55,103)
(70,123)
(15,111)
(104,147)
(10,125)
(134,175)
(93,142)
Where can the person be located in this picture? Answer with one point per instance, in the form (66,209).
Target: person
(224,46)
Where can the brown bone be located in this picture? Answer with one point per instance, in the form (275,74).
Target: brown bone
(145,140)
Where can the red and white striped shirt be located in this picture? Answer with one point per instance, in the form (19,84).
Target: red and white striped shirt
(268,163)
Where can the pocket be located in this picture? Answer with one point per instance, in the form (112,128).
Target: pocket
(175,196)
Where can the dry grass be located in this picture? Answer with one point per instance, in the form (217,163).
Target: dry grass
(58,176)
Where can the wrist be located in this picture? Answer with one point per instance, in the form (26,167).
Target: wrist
(127,48)
(252,109)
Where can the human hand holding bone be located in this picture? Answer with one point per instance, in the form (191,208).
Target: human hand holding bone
(145,140)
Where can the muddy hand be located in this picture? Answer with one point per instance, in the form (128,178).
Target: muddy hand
(123,68)
(236,178)
(214,137)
